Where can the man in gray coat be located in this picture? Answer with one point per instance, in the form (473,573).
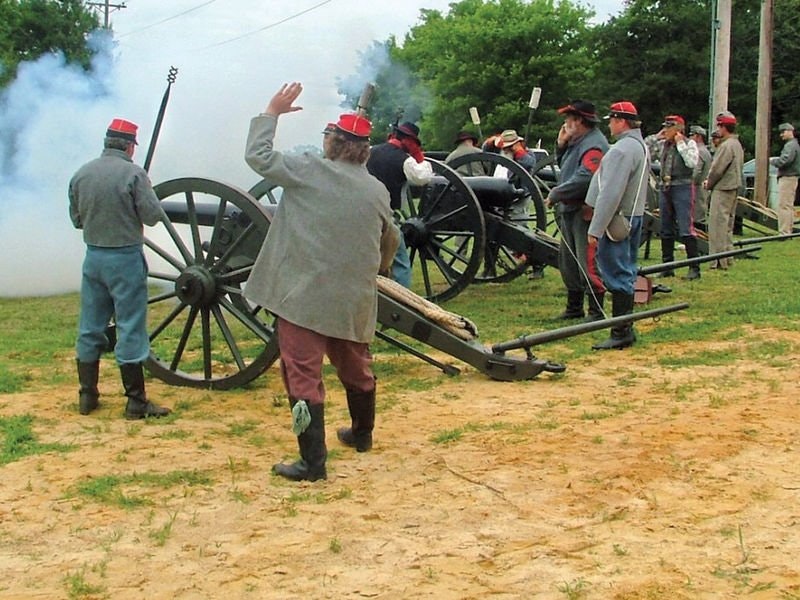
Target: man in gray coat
(788,164)
(724,179)
(618,191)
(110,200)
(331,235)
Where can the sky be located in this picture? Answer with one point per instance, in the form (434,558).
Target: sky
(231,56)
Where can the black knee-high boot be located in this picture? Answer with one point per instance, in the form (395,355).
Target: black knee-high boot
(574,309)
(668,254)
(88,395)
(691,252)
(622,336)
(138,406)
(313,452)
(362,416)
(595,311)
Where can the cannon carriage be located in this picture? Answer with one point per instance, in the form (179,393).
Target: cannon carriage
(465,227)
(205,334)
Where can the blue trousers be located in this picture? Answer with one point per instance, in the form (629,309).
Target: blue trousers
(114,284)
(617,261)
(401,265)
(676,208)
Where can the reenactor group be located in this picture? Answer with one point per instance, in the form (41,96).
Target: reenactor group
(324,294)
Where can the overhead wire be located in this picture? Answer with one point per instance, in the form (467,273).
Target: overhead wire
(270,26)
(180,14)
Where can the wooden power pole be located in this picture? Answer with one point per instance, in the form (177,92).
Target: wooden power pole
(764,103)
(107,8)
(721,47)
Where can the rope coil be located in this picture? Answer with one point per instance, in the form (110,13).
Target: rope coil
(459,326)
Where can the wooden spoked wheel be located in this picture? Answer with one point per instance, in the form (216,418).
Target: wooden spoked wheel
(501,263)
(203,332)
(444,230)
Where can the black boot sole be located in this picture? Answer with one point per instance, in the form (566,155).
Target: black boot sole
(299,471)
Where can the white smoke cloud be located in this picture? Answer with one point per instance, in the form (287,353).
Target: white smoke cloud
(46,129)
(53,116)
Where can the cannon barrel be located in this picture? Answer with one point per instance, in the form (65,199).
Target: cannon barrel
(490,191)
(534,339)
(766,238)
(687,262)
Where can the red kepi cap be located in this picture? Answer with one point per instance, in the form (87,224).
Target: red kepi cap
(354,127)
(623,110)
(121,128)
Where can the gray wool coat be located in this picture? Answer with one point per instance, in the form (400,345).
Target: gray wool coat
(331,234)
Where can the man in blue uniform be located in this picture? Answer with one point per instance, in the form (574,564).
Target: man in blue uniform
(110,199)
(618,192)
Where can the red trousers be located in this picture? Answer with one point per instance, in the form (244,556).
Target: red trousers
(302,351)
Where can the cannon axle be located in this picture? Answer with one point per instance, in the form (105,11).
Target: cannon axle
(196,286)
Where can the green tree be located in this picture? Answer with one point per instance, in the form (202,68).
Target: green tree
(489,54)
(31,28)
(656,54)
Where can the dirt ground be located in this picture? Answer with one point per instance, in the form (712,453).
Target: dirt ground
(619,479)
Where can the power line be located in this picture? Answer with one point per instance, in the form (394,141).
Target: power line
(180,14)
(270,26)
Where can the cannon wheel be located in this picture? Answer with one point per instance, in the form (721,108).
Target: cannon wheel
(203,332)
(445,233)
(448,256)
(502,264)
(264,192)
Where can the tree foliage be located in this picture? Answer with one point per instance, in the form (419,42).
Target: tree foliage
(657,53)
(491,55)
(31,28)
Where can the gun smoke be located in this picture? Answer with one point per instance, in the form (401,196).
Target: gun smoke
(49,122)
(54,115)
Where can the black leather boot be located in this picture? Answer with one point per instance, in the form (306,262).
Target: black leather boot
(595,311)
(362,415)
(88,395)
(138,406)
(691,252)
(313,452)
(667,255)
(574,308)
(622,336)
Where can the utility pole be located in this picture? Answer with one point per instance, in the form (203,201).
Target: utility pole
(764,103)
(107,8)
(721,58)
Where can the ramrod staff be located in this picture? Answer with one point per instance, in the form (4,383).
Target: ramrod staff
(173,73)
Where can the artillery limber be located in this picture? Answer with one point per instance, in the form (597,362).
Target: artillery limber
(205,334)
